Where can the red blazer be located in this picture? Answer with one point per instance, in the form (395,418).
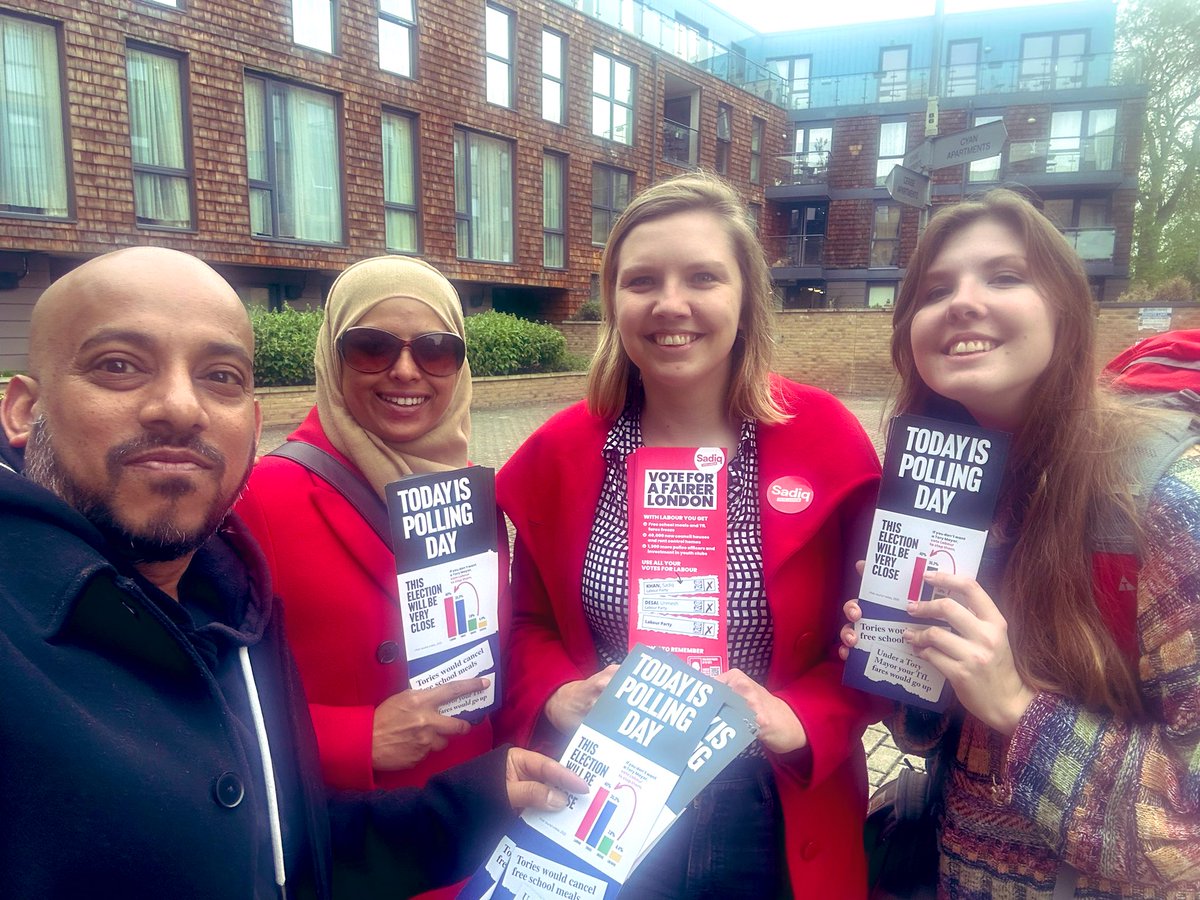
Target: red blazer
(337,581)
(550,488)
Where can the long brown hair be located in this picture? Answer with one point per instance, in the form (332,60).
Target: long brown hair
(612,371)
(1069,461)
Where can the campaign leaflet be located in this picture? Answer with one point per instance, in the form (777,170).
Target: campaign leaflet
(659,725)
(940,484)
(677,553)
(447,570)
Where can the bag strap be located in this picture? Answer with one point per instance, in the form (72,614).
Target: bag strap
(349,484)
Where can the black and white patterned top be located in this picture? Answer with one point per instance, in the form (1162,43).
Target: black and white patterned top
(750,629)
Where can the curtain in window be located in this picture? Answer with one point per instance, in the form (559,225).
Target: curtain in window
(399,184)
(491,202)
(256,157)
(1102,137)
(553,250)
(156,133)
(33,165)
(308,169)
(312,24)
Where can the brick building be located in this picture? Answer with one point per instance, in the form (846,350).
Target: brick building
(283,139)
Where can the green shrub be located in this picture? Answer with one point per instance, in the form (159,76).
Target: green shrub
(283,346)
(1175,290)
(588,312)
(503,344)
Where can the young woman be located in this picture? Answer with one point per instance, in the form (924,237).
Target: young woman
(393,398)
(684,360)
(1078,760)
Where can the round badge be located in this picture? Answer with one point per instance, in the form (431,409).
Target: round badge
(709,459)
(790,494)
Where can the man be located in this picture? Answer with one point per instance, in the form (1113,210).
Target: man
(154,739)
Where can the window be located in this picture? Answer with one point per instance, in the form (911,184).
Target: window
(755,211)
(810,153)
(611,191)
(401,219)
(483,197)
(174,3)
(33,161)
(1053,61)
(985,169)
(758,129)
(499,52)
(796,73)
(885,236)
(881,296)
(893,74)
(1082,140)
(554,216)
(553,76)
(312,24)
(893,138)
(612,99)
(724,137)
(293,161)
(962,69)
(162,180)
(397,33)
(806,235)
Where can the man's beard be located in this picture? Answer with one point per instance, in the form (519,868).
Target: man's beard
(159,540)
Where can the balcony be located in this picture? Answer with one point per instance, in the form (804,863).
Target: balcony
(1012,76)
(676,38)
(811,167)
(679,143)
(1092,244)
(795,251)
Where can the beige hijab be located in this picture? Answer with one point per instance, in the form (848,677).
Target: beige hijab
(356,291)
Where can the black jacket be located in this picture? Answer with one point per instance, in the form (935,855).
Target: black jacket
(126,767)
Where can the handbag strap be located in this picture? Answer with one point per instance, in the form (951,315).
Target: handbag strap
(349,484)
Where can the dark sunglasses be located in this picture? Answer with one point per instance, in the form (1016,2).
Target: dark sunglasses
(373,350)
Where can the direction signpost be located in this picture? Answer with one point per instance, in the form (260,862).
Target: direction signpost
(908,187)
(909,183)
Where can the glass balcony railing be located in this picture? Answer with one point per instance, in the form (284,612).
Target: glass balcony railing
(793,250)
(1063,155)
(1092,244)
(811,167)
(678,39)
(679,143)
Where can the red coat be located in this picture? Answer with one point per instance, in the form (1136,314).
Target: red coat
(550,488)
(337,581)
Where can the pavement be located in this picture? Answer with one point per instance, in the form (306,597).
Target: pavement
(496,433)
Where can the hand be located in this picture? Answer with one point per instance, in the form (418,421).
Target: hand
(778,728)
(570,703)
(408,726)
(538,781)
(976,657)
(848,635)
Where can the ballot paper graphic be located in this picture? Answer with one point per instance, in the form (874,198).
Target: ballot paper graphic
(941,481)
(657,735)
(447,572)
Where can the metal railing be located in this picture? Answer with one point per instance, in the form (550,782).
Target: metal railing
(794,250)
(679,143)
(810,167)
(1092,244)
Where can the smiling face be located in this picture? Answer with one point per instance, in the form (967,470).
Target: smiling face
(983,334)
(402,403)
(678,301)
(141,412)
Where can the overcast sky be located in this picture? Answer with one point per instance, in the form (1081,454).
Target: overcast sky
(786,15)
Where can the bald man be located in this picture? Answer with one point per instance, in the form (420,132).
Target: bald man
(154,740)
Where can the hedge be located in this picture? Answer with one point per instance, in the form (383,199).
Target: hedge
(497,344)
(503,344)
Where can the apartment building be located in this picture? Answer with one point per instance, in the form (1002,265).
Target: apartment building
(281,140)
(860,98)
(499,139)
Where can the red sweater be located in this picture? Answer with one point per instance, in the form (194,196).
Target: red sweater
(550,488)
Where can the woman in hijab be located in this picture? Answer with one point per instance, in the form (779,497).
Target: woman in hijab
(393,398)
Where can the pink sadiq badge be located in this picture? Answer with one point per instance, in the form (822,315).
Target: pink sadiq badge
(790,494)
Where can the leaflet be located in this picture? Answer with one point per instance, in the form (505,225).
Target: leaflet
(941,481)
(657,735)
(677,553)
(447,571)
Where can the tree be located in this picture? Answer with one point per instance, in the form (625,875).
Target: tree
(1163,37)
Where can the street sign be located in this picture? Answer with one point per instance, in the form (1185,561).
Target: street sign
(918,157)
(908,187)
(975,143)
